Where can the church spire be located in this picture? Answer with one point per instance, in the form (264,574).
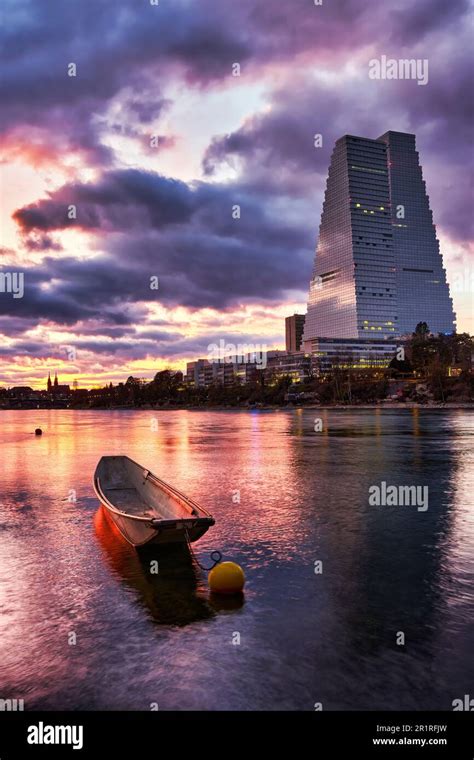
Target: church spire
(56,380)
(49,382)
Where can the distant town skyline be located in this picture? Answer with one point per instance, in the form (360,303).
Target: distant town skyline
(163,170)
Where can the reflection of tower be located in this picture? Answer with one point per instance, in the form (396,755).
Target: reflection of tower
(49,382)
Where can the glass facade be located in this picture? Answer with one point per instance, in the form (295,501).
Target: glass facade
(360,354)
(378,269)
(422,288)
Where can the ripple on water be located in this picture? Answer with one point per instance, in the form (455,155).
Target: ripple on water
(284,498)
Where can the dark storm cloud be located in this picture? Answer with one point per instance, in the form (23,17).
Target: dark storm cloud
(147,111)
(15,326)
(125,44)
(199,347)
(114,45)
(275,149)
(410,23)
(282,138)
(184,235)
(137,349)
(116,349)
(42,243)
(67,291)
(149,225)
(118,201)
(99,328)
(132,200)
(158,335)
(25,348)
(170,346)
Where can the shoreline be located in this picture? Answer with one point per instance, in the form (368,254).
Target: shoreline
(269,407)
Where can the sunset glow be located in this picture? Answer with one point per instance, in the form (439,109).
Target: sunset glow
(154,141)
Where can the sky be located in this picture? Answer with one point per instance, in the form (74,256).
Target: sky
(130,131)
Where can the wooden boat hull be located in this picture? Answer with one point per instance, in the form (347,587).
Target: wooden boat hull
(145,509)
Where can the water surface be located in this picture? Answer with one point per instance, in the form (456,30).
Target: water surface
(284,497)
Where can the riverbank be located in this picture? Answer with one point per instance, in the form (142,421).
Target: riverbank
(263,407)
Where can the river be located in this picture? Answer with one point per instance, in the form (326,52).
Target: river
(332,581)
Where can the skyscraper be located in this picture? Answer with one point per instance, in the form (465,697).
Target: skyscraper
(378,270)
(422,288)
(294,327)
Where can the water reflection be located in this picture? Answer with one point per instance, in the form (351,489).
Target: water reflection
(226,603)
(164,577)
(398,580)
(393,562)
(283,496)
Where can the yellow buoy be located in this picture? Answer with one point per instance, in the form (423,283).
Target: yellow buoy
(226,578)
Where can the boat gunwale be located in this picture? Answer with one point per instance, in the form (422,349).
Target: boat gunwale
(204,517)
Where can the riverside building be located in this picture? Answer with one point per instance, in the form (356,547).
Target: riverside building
(378,269)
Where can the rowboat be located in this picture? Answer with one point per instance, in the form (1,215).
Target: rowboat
(144,508)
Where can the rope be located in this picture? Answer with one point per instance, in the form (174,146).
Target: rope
(216,555)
